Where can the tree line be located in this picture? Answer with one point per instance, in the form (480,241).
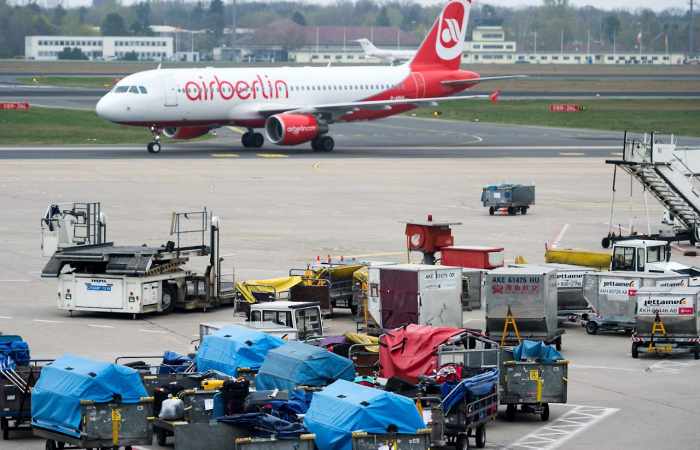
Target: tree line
(547,27)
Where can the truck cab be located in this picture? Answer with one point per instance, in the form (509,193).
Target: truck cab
(302,317)
(642,256)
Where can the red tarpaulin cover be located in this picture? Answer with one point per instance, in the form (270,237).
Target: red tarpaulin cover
(411,351)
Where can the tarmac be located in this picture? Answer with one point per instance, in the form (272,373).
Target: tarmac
(280,208)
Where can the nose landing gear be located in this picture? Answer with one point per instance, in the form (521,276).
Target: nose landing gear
(251,139)
(154,147)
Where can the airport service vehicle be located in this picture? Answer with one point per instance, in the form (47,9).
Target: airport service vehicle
(667,321)
(284,319)
(512,198)
(132,279)
(295,105)
(421,294)
(390,56)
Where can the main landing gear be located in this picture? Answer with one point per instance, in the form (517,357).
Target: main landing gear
(323,143)
(251,139)
(154,147)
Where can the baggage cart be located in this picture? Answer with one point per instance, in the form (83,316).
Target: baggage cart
(526,297)
(196,436)
(362,440)
(15,397)
(366,362)
(667,321)
(154,376)
(198,409)
(612,297)
(532,385)
(513,198)
(106,425)
(305,442)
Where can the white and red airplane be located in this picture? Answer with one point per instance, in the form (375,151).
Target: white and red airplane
(295,105)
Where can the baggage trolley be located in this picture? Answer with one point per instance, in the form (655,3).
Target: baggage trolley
(106,425)
(361,440)
(468,420)
(366,362)
(16,397)
(198,409)
(305,442)
(532,385)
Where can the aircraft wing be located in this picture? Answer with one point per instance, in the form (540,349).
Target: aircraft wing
(340,109)
(469,82)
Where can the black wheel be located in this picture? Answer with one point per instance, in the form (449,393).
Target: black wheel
(161,437)
(544,415)
(591,327)
(153,147)
(523,210)
(353,309)
(324,144)
(169,299)
(696,352)
(462,442)
(480,437)
(5,429)
(511,410)
(605,243)
(246,138)
(51,445)
(128,447)
(557,344)
(492,211)
(257,140)
(511,211)
(635,350)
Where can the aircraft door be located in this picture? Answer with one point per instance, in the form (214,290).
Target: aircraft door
(170,91)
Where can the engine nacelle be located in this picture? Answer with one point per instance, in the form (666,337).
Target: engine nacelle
(292,129)
(185,132)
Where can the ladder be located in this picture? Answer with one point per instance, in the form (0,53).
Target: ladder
(657,328)
(665,176)
(510,322)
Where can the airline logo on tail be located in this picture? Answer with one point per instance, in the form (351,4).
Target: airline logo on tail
(451,31)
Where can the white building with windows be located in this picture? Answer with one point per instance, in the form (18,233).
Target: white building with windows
(47,48)
(489,46)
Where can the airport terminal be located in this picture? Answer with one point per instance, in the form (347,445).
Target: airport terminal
(480,231)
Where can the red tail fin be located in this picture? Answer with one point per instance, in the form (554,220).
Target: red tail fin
(442,48)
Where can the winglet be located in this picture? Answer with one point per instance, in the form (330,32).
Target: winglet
(495,96)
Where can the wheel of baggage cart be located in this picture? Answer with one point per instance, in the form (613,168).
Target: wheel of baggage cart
(523,210)
(480,436)
(161,436)
(511,410)
(51,445)
(492,211)
(544,415)
(696,352)
(557,344)
(605,243)
(5,426)
(635,350)
(462,442)
(591,327)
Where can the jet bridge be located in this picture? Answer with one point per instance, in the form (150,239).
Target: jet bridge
(99,276)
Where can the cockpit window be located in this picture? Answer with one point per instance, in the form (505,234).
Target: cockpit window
(121,89)
(142,89)
(133,90)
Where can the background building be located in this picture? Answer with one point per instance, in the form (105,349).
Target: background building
(47,48)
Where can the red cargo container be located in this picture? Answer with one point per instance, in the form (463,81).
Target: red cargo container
(473,257)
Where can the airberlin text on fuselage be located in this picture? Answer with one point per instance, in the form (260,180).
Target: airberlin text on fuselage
(203,90)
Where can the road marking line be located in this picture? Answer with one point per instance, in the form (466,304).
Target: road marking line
(571,154)
(92,325)
(616,154)
(560,236)
(15,281)
(6,317)
(46,321)
(272,155)
(153,331)
(224,155)
(578,419)
(584,366)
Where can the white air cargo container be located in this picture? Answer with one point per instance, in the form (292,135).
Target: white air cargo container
(415,293)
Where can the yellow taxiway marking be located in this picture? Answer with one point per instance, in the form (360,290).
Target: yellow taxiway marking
(238,130)
(225,155)
(316,165)
(571,154)
(271,155)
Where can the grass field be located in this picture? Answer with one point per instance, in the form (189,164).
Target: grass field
(86,82)
(62,126)
(681,117)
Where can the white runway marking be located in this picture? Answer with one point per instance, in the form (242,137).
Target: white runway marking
(92,325)
(153,331)
(560,236)
(15,281)
(572,154)
(670,367)
(584,366)
(5,317)
(564,428)
(46,321)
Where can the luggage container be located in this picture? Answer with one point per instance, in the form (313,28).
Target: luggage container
(530,294)
(667,321)
(612,297)
(514,198)
(362,440)
(15,397)
(421,294)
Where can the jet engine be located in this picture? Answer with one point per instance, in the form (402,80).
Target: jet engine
(185,132)
(293,129)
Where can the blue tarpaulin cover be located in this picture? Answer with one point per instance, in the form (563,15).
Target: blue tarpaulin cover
(233,347)
(538,351)
(68,380)
(265,425)
(344,407)
(14,351)
(174,362)
(478,385)
(296,363)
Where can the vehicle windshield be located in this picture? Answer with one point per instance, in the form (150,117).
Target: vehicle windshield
(121,89)
(656,254)
(278,317)
(308,322)
(623,259)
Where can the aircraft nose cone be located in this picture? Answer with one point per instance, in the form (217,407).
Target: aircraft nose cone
(101,107)
(105,108)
